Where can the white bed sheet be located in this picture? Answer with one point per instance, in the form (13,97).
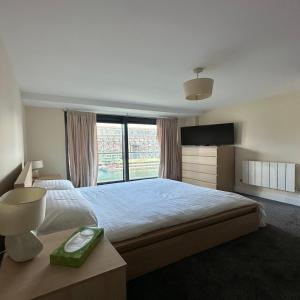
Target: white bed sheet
(127,210)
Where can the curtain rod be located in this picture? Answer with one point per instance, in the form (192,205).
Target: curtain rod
(121,115)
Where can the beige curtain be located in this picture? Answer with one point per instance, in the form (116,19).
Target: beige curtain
(167,134)
(82,148)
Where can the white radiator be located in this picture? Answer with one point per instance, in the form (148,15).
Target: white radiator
(273,175)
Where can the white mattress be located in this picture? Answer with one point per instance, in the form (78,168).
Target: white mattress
(127,210)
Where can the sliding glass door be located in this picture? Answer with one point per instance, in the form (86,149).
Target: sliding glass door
(143,151)
(110,152)
(127,149)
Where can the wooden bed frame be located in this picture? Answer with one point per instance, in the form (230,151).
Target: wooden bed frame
(160,248)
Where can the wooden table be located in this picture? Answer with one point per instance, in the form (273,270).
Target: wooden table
(102,276)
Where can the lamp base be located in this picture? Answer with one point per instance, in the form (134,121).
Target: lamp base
(23,247)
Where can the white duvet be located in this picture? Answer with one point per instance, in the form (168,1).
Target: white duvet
(127,210)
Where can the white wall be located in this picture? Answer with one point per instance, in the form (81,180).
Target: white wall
(45,139)
(11,125)
(268,129)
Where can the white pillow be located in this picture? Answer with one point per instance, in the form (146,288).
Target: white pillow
(65,210)
(57,184)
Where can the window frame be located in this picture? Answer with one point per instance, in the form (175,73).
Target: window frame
(125,120)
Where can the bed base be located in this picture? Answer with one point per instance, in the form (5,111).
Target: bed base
(157,255)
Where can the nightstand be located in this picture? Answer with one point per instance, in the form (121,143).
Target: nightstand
(102,275)
(49,177)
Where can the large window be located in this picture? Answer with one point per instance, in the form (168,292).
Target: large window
(143,151)
(110,152)
(127,149)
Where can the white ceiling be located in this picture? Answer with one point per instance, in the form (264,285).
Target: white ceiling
(127,53)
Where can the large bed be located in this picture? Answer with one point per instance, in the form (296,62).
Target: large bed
(156,222)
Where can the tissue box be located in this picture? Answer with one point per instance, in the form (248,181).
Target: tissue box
(76,258)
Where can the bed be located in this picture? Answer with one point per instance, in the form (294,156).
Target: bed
(155,222)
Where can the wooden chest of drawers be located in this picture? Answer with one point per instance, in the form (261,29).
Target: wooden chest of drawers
(209,166)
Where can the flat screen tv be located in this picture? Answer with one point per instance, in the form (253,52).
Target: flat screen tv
(208,135)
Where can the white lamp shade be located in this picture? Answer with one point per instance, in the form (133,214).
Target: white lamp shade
(198,89)
(37,164)
(22,210)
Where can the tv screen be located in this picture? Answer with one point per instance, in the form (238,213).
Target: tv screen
(208,135)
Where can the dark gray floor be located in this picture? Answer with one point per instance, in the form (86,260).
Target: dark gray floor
(281,215)
(261,265)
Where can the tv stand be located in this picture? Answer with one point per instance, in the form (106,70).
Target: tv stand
(209,166)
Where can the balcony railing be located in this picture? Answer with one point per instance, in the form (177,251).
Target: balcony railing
(141,165)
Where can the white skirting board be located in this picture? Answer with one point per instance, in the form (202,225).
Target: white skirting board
(289,198)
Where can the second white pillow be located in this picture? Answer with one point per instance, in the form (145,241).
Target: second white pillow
(57,184)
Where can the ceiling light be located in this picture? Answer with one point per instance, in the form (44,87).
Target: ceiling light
(198,88)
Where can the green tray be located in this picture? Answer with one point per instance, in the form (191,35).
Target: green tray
(75,259)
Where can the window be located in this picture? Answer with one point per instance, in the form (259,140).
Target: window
(143,151)
(127,148)
(110,152)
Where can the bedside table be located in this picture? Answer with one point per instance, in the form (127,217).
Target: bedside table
(49,177)
(102,275)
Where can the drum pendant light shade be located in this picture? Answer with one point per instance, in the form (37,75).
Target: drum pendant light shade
(199,88)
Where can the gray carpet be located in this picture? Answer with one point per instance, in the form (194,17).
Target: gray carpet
(262,265)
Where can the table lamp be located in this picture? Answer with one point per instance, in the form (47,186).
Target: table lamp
(36,165)
(21,211)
